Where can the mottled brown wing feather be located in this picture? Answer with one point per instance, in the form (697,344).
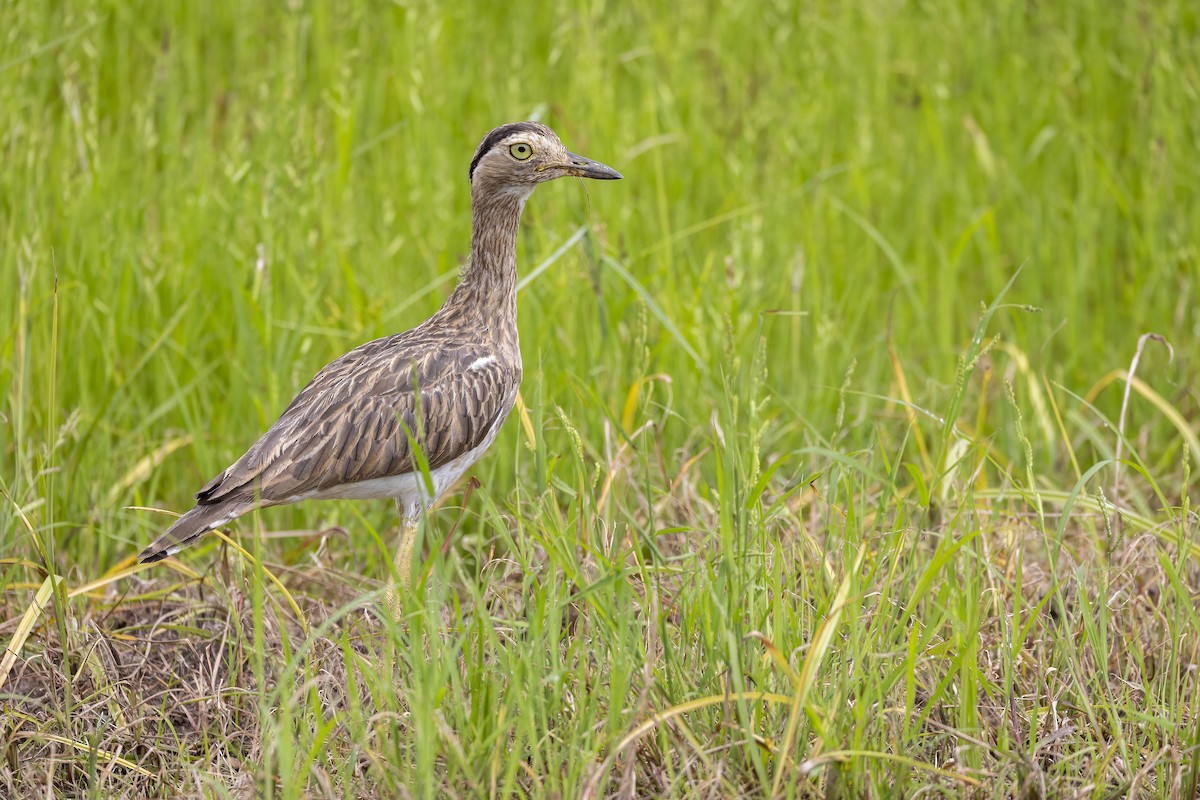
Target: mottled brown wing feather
(354,420)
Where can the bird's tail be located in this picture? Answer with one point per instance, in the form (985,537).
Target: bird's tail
(188,529)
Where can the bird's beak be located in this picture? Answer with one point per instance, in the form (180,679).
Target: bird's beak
(581,167)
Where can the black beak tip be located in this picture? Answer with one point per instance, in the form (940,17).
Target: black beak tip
(583,167)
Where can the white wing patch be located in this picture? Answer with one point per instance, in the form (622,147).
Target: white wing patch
(480,363)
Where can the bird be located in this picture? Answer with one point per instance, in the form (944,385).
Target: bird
(404,416)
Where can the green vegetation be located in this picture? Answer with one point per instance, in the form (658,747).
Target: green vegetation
(822,484)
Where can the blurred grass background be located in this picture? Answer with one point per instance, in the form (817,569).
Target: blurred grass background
(202,204)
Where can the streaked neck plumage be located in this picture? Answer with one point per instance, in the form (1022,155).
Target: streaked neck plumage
(487,285)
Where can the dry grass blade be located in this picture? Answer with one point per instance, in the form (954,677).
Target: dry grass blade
(121,570)
(655,720)
(1173,415)
(910,409)
(23,562)
(270,576)
(86,748)
(526,422)
(26,625)
(778,657)
(1133,365)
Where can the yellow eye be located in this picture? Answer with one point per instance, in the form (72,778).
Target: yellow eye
(520,151)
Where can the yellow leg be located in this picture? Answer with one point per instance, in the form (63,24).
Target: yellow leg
(403,566)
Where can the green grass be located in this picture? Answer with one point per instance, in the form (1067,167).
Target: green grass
(816,491)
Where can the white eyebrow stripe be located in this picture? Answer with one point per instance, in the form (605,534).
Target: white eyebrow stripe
(479,363)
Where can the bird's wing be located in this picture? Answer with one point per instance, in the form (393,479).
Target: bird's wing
(358,418)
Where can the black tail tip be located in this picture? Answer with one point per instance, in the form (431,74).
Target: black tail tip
(147,557)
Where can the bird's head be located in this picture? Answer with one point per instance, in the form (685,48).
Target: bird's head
(518,156)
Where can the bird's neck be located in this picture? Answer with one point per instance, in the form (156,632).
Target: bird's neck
(487,286)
